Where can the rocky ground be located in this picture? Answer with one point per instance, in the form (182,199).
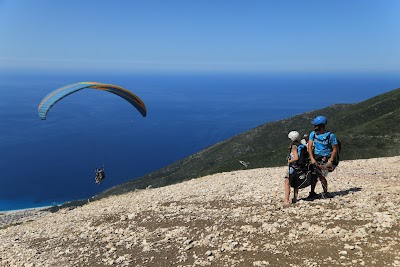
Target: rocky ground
(227,219)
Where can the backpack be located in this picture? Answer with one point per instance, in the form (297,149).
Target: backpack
(339,144)
(304,157)
(303,175)
(302,178)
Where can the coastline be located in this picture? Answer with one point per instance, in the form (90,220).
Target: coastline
(18,216)
(13,211)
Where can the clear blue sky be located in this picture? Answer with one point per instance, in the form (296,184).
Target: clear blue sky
(200,35)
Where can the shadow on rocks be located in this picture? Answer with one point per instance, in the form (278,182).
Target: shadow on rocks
(334,194)
(346,192)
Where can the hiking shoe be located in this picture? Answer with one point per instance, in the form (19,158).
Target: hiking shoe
(312,196)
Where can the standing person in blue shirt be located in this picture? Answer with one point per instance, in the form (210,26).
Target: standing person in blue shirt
(323,148)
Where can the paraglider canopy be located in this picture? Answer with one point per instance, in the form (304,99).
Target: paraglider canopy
(55,96)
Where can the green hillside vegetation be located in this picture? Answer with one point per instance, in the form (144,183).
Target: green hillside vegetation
(367,129)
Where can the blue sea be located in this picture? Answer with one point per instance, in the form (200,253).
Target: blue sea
(53,161)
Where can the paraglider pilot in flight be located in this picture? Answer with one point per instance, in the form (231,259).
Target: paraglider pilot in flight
(100,175)
(52,98)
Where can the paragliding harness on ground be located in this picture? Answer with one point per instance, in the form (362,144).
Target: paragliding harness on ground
(100,175)
(304,173)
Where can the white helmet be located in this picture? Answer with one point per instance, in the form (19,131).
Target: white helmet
(294,135)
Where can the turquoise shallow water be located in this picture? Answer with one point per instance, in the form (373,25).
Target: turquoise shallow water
(49,162)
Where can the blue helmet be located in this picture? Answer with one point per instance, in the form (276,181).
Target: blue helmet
(320,120)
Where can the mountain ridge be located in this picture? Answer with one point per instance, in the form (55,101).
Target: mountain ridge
(366,129)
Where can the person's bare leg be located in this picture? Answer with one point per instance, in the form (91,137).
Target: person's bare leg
(324,184)
(286,200)
(296,192)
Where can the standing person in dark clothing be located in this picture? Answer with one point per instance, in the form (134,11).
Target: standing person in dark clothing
(292,158)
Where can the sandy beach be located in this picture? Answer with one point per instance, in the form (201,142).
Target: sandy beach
(226,219)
